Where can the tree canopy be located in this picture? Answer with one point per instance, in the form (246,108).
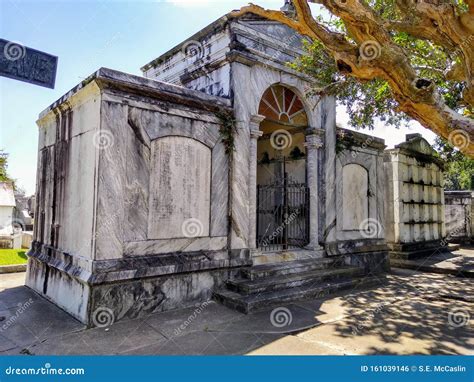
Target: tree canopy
(394,60)
(4,177)
(459,169)
(3,167)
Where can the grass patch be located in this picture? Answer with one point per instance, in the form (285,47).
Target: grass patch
(12,256)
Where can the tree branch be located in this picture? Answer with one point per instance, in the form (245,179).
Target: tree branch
(417,97)
(332,40)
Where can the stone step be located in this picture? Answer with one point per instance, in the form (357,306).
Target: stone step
(260,258)
(267,284)
(421,253)
(419,250)
(289,267)
(453,247)
(259,301)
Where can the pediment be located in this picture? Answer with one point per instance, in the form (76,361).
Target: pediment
(417,144)
(276,31)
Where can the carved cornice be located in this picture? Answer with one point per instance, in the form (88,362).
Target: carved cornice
(256,119)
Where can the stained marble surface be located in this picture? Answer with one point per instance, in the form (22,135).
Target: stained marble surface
(128,261)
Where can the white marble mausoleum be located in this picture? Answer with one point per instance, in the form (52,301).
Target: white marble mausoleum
(213,175)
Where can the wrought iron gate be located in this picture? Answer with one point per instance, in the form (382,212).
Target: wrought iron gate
(282,215)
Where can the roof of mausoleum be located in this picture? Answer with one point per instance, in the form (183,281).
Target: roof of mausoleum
(215,27)
(212,28)
(355,138)
(419,148)
(145,87)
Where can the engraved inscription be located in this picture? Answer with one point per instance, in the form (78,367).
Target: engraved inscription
(179,188)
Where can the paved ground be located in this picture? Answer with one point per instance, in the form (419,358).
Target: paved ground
(411,313)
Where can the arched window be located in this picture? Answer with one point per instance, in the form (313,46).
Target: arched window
(281,104)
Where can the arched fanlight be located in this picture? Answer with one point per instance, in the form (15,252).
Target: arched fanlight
(281,104)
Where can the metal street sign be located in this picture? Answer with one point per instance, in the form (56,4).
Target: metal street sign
(28,65)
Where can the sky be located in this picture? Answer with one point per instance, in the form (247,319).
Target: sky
(87,35)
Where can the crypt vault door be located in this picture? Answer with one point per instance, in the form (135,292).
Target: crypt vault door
(282,205)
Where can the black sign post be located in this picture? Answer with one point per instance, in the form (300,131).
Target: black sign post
(26,64)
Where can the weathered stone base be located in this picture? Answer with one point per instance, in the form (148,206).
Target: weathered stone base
(409,251)
(129,287)
(66,291)
(369,254)
(464,240)
(345,247)
(139,297)
(373,263)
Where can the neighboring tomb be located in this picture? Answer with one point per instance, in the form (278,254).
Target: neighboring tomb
(355,210)
(414,199)
(10,237)
(459,213)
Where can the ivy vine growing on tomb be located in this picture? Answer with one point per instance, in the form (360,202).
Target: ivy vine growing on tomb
(227,129)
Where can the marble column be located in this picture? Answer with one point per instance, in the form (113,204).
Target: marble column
(255,133)
(313,143)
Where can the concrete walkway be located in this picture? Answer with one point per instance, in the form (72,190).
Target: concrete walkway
(411,313)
